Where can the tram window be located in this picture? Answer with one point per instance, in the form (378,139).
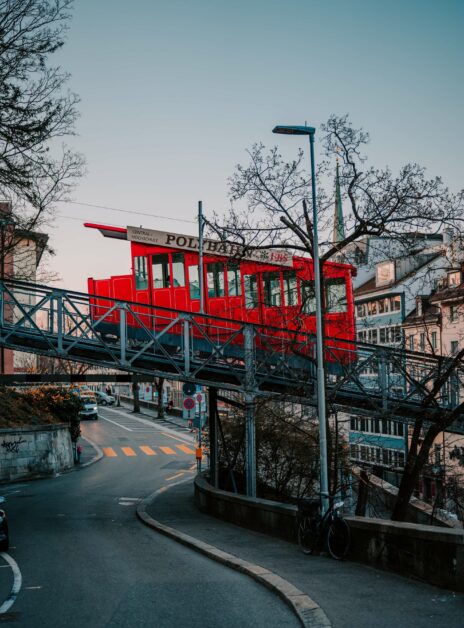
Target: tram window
(178,270)
(290,288)
(140,272)
(194,282)
(160,271)
(335,295)
(272,295)
(215,275)
(233,280)
(308,297)
(251,291)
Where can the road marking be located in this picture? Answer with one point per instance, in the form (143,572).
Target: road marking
(32,588)
(173,477)
(185,449)
(116,423)
(128,501)
(182,440)
(109,452)
(150,423)
(168,450)
(17,581)
(128,451)
(147,450)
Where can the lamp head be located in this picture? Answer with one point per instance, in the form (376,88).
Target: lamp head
(294,130)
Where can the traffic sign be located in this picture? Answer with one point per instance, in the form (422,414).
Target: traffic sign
(199,397)
(189,403)
(188,388)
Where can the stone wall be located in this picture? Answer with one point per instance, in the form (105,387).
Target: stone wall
(429,553)
(34,451)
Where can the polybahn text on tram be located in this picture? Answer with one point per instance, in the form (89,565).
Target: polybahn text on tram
(268,287)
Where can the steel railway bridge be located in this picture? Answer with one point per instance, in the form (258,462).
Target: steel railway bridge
(251,359)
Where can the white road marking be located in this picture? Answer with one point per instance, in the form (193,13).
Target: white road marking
(116,423)
(173,477)
(159,428)
(17,581)
(32,588)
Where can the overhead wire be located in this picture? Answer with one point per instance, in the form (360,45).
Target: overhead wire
(128,211)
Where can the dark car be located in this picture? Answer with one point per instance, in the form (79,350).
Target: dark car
(4,536)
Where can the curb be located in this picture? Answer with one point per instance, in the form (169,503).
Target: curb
(306,609)
(98,456)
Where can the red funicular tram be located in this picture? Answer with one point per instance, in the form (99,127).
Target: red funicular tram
(267,287)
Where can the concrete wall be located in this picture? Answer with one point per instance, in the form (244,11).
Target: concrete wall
(429,553)
(34,451)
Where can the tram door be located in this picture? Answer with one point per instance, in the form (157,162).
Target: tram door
(161,278)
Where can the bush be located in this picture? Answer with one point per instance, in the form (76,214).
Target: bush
(40,406)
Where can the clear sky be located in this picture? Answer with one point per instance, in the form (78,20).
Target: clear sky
(174,91)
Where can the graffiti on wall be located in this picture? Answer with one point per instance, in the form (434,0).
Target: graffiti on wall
(12,446)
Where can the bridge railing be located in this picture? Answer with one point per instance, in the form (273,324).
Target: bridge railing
(191,346)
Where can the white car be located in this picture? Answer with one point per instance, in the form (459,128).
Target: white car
(103,399)
(90,408)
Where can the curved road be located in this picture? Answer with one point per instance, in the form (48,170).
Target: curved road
(86,560)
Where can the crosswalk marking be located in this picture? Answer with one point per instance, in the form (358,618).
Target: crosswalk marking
(168,450)
(131,452)
(147,450)
(185,449)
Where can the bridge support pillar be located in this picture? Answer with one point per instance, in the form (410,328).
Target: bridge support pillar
(250,411)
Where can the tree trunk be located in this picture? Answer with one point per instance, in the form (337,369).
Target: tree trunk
(135,392)
(414,465)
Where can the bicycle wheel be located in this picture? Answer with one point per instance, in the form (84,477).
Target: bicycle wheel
(307,538)
(338,538)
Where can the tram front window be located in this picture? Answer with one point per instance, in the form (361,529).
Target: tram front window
(233,280)
(335,295)
(290,288)
(194,282)
(308,297)
(160,271)
(215,276)
(140,272)
(251,291)
(272,296)
(178,270)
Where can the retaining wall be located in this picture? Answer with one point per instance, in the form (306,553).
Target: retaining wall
(429,553)
(34,451)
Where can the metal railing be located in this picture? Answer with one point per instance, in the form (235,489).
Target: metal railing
(213,351)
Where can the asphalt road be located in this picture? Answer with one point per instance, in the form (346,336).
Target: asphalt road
(85,559)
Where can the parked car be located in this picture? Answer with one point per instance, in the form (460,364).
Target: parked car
(4,535)
(89,405)
(103,399)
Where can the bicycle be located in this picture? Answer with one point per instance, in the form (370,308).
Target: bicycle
(331,531)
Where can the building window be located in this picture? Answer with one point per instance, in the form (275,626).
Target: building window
(422,341)
(434,340)
(454,279)
(453,313)
(140,272)
(454,347)
(411,342)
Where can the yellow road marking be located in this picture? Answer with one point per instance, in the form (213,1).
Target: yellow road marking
(173,477)
(185,449)
(109,451)
(168,450)
(128,451)
(147,450)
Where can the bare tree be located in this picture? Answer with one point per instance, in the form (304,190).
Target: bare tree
(269,209)
(36,111)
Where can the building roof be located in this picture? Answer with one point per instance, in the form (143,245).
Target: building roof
(430,313)
(449,294)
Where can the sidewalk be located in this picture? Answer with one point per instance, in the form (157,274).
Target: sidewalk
(350,594)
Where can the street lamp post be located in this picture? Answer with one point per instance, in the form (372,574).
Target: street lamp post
(321,410)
